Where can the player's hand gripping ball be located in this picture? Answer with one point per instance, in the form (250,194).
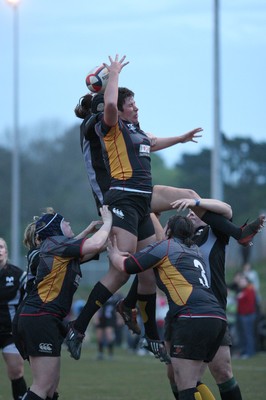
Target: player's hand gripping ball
(97,78)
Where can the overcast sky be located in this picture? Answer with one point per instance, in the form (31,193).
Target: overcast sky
(169,44)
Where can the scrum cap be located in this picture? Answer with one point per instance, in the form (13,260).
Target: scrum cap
(49,225)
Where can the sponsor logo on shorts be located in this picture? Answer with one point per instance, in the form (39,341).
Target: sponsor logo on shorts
(45,348)
(177,350)
(118,213)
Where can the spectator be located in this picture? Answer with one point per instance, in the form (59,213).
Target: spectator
(253,277)
(246,310)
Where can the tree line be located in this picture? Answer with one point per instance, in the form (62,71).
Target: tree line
(52,173)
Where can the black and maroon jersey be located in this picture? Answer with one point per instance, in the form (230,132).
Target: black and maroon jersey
(180,273)
(57,278)
(212,245)
(126,153)
(12,280)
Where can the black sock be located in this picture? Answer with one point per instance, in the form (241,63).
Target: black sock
(31,396)
(98,296)
(222,224)
(130,300)
(188,394)
(55,396)
(230,390)
(19,388)
(147,306)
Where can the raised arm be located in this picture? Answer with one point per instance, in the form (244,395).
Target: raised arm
(160,143)
(111,91)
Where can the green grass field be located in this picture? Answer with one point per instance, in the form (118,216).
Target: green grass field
(132,377)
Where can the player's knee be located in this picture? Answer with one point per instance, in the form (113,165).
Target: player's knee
(221,373)
(15,373)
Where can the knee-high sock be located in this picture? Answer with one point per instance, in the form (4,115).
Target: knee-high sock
(190,394)
(147,307)
(19,388)
(55,396)
(98,296)
(31,396)
(204,391)
(131,298)
(230,390)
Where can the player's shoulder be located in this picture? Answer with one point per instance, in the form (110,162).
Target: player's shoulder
(88,125)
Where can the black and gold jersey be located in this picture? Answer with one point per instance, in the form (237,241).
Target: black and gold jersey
(57,278)
(181,274)
(126,153)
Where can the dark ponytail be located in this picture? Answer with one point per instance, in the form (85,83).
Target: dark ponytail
(182,228)
(83,108)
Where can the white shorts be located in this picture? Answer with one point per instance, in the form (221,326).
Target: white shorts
(10,349)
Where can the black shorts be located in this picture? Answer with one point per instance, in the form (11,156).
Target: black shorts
(6,339)
(39,336)
(131,212)
(194,338)
(227,339)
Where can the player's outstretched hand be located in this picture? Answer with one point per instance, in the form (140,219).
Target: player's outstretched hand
(191,136)
(116,65)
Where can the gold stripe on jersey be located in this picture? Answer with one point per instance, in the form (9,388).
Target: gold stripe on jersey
(51,285)
(119,163)
(177,286)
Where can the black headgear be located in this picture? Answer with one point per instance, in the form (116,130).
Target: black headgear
(97,104)
(49,225)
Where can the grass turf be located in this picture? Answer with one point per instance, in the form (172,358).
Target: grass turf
(132,377)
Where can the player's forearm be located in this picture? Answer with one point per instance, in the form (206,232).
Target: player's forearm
(216,206)
(98,240)
(164,143)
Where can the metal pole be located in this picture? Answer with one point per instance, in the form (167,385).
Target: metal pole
(15,202)
(216,167)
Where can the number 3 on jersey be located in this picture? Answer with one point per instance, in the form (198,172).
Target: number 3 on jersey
(203,280)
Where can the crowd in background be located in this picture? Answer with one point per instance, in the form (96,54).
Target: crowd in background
(247,322)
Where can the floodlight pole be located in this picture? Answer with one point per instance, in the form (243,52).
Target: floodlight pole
(15,196)
(216,156)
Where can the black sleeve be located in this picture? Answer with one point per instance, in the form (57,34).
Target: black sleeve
(140,262)
(89,126)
